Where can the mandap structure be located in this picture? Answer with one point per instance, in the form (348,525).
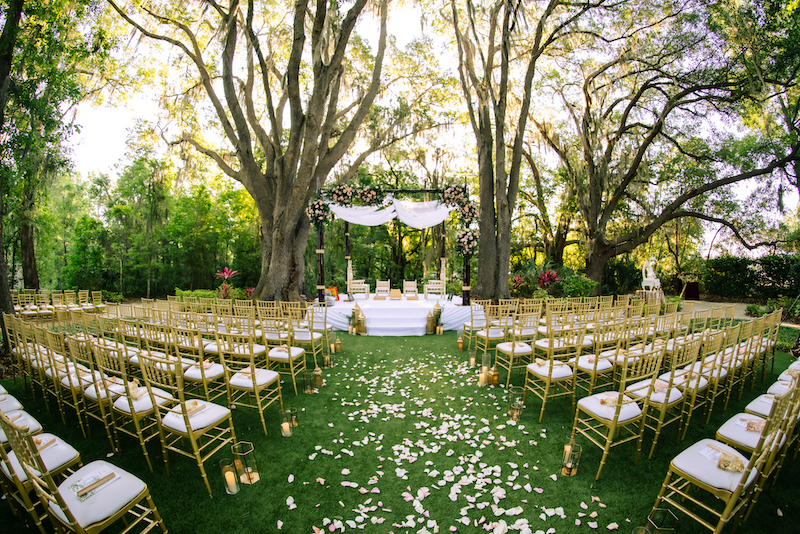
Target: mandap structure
(378,207)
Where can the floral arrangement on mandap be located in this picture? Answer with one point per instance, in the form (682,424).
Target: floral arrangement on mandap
(455,195)
(469,213)
(340,194)
(370,195)
(317,211)
(466,242)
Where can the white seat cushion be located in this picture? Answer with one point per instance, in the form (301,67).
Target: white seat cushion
(493,333)
(53,456)
(779,388)
(735,430)
(593,404)
(106,501)
(695,464)
(9,403)
(211,372)
(245,380)
(24,420)
(83,379)
(560,370)
(96,392)
(209,415)
(659,394)
(761,405)
(282,353)
(514,347)
(587,363)
(143,404)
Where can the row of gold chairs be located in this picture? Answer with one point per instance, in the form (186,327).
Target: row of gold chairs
(42,305)
(181,372)
(44,477)
(653,364)
(716,482)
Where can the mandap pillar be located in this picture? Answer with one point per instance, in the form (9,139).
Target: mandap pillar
(320,266)
(466,287)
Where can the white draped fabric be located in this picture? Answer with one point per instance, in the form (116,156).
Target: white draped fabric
(414,214)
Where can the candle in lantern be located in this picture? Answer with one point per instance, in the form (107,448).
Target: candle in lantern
(460,342)
(286,429)
(472,361)
(230,481)
(333,348)
(482,379)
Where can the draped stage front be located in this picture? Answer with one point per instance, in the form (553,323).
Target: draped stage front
(398,317)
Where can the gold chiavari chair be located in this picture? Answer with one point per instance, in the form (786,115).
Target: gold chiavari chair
(249,385)
(132,413)
(516,353)
(666,399)
(300,331)
(611,418)
(96,402)
(284,356)
(595,371)
(205,377)
(551,374)
(59,460)
(707,467)
(477,321)
(19,366)
(65,373)
(723,370)
(494,332)
(129,496)
(195,428)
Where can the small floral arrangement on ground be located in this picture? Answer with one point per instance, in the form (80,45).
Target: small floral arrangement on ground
(548,278)
(370,195)
(469,213)
(341,194)
(455,195)
(317,212)
(466,242)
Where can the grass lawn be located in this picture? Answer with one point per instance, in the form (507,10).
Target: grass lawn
(402,439)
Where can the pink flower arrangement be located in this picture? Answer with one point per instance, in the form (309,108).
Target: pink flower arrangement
(466,242)
(226,274)
(455,195)
(469,213)
(548,278)
(317,211)
(341,194)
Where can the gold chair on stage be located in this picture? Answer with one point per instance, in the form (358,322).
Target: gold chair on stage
(382,289)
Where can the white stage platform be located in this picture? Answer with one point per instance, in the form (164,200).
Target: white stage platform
(398,317)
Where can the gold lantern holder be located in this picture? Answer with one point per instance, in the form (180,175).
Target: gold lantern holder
(317,378)
(229,477)
(460,339)
(430,325)
(662,521)
(493,377)
(362,323)
(244,460)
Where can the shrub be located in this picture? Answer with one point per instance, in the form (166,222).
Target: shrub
(729,277)
(112,296)
(199,293)
(754,310)
(575,285)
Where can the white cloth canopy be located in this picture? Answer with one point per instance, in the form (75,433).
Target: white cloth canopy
(414,214)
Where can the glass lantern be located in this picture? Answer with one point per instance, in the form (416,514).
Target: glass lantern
(229,477)
(244,459)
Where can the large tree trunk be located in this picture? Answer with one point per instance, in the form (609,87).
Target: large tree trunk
(30,273)
(487,249)
(597,254)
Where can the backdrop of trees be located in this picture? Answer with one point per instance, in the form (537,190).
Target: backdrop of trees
(592,134)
